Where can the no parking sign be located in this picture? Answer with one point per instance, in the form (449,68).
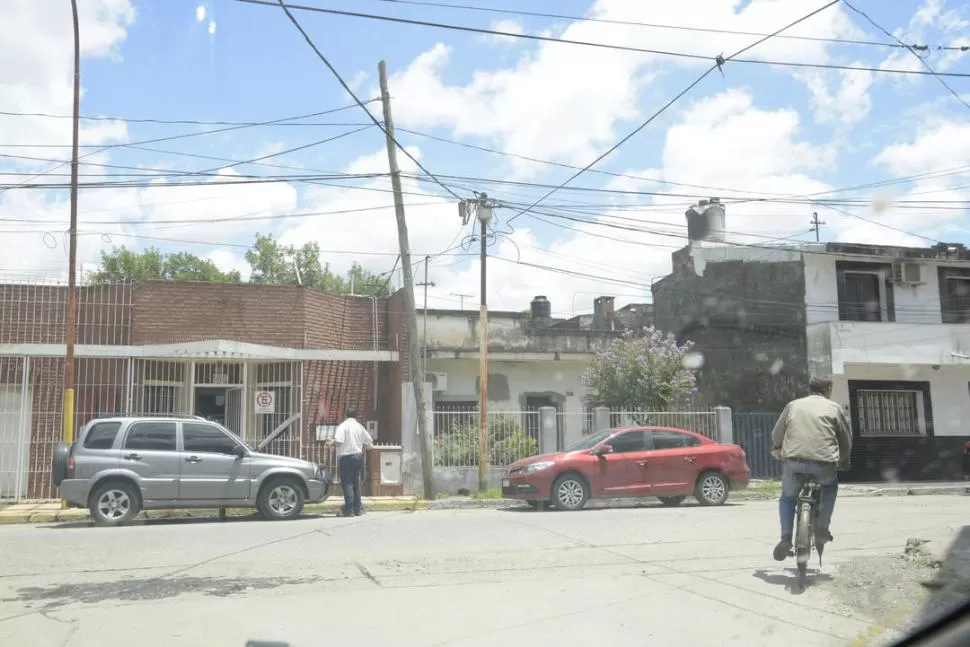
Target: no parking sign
(265,402)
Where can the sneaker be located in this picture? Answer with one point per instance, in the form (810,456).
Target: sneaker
(823,536)
(782,550)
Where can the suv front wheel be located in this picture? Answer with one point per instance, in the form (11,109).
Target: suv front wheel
(281,498)
(114,503)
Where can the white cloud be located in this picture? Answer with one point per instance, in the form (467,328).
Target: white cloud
(847,103)
(508,27)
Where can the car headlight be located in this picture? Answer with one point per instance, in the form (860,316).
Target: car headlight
(537,467)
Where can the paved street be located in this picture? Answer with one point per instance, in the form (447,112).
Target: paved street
(688,576)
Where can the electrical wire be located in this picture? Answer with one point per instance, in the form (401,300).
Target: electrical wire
(286,9)
(550,39)
(718,64)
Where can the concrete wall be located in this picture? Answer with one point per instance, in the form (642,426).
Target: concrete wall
(452,480)
(833,345)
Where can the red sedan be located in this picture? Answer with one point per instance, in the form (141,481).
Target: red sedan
(663,462)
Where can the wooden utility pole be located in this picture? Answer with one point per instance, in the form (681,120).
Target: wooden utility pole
(816,223)
(70,323)
(415,370)
(424,318)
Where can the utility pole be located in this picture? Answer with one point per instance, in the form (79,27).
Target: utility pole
(815,222)
(424,318)
(70,325)
(461,298)
(414,358)
(483,210)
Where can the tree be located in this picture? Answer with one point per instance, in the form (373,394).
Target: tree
(123,264)
(642,371)
(273,262)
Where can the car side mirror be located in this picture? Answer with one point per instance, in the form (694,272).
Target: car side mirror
(604,449)
(238,451)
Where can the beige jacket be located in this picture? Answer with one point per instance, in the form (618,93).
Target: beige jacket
(814,428)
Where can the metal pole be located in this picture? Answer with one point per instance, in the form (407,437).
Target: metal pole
(414,357)
(483,367)
(70,326)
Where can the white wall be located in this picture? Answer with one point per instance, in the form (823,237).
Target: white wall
(913,303)
(949,391)
(838,343)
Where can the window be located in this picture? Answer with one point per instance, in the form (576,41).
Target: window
(197,437)
(860,296)
(160,399)
(890,412)
(673,440)
(955,293)
(151,436)
(102,435)
(630,441)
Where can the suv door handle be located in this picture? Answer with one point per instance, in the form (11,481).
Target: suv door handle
(193,459)
(690,459)
(642,463)
(132,457)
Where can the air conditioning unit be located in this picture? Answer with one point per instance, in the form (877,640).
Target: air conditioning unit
(439,381)
(908,273)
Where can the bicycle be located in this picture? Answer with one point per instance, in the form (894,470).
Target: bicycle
(806,513)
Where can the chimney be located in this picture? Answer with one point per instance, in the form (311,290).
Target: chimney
(603,314)
(705,221)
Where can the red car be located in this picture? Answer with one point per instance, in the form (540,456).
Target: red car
(630,462)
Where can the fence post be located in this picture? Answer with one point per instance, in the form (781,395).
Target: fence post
(724,423)
(548,431)
(601,418)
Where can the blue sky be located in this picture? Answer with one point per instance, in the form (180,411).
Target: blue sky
(757,129)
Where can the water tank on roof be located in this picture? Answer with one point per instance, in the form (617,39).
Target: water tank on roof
(706,220)
(541,309)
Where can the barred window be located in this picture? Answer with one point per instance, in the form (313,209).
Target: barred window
(890,412)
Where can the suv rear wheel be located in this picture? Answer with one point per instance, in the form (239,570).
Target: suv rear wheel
(114,503)
(281,498)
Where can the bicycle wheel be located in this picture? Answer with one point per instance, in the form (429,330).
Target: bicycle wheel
(803,540)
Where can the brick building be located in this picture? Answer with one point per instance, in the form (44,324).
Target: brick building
(195,348)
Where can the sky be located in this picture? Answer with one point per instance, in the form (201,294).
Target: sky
(510,117)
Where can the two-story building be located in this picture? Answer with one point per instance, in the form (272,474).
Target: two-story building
(888,324)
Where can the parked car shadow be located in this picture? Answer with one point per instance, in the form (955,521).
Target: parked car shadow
(598,507)
(789,580)
(950,585)
(178,521)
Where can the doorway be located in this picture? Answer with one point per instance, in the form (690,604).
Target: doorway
(221,404)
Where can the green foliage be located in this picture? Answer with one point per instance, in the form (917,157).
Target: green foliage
(459,446)
(123,264)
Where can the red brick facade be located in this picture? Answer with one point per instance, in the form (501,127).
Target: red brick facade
(162,312)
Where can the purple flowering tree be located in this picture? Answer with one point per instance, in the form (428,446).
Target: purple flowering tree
(642,371)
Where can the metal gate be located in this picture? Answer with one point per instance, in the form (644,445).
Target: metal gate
(752,431)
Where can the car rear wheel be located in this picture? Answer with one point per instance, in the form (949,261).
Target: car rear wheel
(570,492)
(672,501)
(281,499)
(712,489)
(59,461)
(114,503)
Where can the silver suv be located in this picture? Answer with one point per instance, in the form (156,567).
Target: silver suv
(119,466)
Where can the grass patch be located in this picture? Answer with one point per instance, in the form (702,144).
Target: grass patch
(765,487)
(490,493)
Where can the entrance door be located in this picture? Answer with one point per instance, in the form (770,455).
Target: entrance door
(234,417)
(14,445)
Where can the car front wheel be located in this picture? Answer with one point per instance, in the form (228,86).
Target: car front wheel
(281,499)
(570,492)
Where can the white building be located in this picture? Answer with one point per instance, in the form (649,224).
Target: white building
(888,324)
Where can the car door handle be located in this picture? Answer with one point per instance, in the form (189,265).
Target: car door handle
(193,459)
(132,457)
(642,463)
(690,459)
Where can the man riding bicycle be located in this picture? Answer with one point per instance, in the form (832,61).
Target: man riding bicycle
(812,436)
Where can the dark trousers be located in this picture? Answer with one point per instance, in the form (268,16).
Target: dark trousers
(350,467)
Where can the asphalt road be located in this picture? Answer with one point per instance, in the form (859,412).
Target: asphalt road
(688,576)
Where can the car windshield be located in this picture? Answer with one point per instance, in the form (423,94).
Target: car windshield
(590,441)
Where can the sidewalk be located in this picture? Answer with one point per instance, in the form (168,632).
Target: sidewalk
(50,511)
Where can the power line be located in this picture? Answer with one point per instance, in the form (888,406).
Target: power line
(637,23)
(537,37)
(353,95)
(718,63)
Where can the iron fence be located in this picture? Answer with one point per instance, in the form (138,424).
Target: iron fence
(703,422)
(752,431)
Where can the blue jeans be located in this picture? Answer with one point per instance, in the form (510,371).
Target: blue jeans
(350,467)
(828,478)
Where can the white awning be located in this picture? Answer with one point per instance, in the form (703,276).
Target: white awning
(216,349)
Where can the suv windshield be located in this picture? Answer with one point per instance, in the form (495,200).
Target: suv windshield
(590,441)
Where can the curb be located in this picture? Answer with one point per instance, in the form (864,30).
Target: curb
(78,515)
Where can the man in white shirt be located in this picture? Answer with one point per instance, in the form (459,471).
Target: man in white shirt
(351,438)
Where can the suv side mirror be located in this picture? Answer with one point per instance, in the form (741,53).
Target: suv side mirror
(238,450)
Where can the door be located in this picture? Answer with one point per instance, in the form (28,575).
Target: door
(622,472)
(14,445)
(150,452)
(673,463)
(210,471)
(234,416)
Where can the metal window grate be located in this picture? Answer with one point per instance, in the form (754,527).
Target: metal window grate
(889,413)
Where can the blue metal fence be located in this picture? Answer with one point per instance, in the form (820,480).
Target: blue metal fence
(752,431)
